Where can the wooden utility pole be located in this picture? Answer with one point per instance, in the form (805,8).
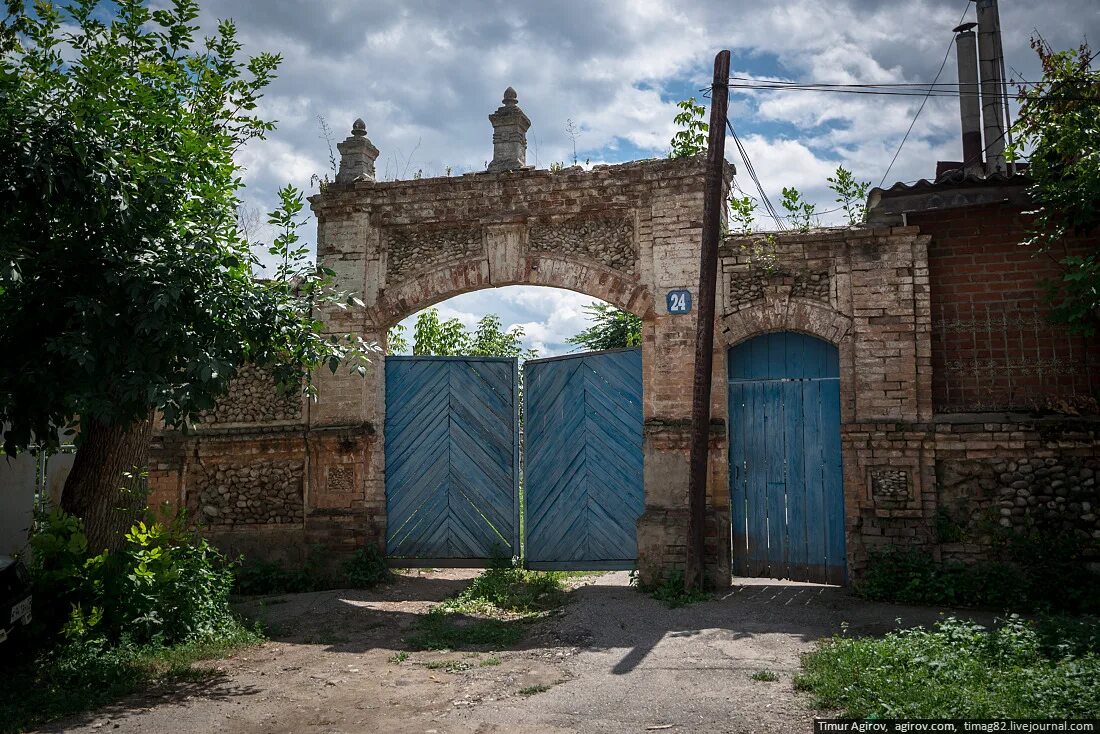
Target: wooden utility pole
(713,193)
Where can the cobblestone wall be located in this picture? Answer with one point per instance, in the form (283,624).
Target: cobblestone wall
(253,398)
(260,493)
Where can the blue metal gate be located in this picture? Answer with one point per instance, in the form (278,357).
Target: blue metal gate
(583,460)
(452,457)
(786,483)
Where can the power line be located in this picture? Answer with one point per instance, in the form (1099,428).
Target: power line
(768,207)
(920,109)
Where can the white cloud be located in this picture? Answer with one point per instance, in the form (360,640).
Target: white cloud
(424,77)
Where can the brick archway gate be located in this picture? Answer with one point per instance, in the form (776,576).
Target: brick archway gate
(625,234)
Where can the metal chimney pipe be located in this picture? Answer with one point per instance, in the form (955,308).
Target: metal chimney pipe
(970,110)
(989,66)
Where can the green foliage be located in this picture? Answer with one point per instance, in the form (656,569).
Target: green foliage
(1037,573)
(670,590)
(399,657)
(960,670)
(438,630)
(532,690)
(800,213)
(396,340)
(118,184)
(433,337)
(691,137)
(764,676)
(509,590)
(111,623)
(612,328)
(946,528)
(850,194)
(163,586)
(365,569)
(742,214)
(762,253)
(1057,121)
(81,675)
(493,611)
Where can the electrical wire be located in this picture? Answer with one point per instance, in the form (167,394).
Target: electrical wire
(768,207)
(920,109)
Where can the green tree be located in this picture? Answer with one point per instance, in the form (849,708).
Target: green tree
(612,328)
(691,138)
(850,194)
(450,338)
(125,286)
(1059,121)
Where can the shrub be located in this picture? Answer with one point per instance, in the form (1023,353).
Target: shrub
(1037,573)
(961,670)
(164,585)
(366,568)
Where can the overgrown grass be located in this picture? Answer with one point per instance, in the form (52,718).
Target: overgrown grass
(492,612)
(79,676)
(1016,669)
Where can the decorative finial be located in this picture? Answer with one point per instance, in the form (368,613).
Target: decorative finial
(509,134)
(357,155)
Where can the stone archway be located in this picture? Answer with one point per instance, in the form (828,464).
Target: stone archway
(626,234)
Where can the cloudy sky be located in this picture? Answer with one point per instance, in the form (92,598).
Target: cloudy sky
(424,76)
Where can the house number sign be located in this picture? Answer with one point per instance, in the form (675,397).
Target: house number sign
(679,301)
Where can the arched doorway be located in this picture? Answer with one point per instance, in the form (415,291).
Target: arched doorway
(786,479)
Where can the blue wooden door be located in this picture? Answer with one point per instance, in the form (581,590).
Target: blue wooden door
(452,457)
(583,460)
(786,481)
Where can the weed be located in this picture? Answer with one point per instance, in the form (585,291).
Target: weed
(82,675)
(492,611)
(489,662)
(1036,574)
(399,657)
(439,630)
(670,590)
(1016,669)
(764,675)
(532,690)
(366,568)
(509,591)
(451,666)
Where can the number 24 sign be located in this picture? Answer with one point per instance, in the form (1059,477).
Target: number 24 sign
(679,301)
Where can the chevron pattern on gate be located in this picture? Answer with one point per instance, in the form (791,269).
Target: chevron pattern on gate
(583,460)
(451,458)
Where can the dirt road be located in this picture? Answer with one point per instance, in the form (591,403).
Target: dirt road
(611,660)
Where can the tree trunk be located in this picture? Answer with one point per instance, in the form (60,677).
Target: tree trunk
(105,487)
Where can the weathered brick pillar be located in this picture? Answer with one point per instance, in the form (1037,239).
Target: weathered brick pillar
(668,355)
(345,495)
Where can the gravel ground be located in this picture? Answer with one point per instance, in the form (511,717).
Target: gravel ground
(612,660)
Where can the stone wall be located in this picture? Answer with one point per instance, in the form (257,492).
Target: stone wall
(1018,474)
(253,398)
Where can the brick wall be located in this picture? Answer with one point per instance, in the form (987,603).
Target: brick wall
(993,346)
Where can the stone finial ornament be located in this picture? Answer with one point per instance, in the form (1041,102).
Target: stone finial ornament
(510,127)
(357,155)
